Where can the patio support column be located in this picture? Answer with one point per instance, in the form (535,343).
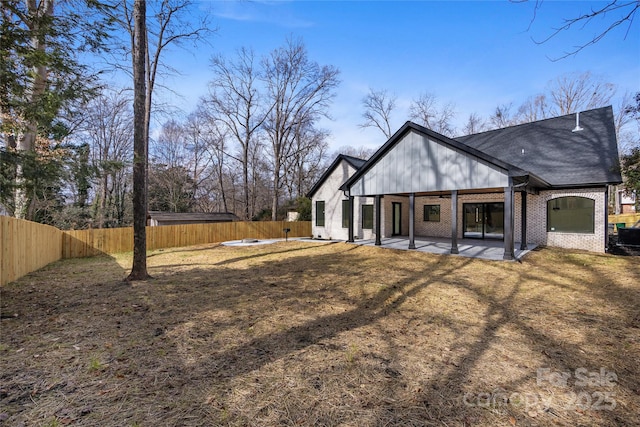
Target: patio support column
(509,252)
(454,221)
(378,215)
(412,214)
(351,240)
(523,220)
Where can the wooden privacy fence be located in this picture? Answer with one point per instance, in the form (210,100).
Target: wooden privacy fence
(628,219)
(27,246)
(83,243)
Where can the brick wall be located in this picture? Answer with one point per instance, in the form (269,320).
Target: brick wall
(432,228)
(537,221)
(536,217)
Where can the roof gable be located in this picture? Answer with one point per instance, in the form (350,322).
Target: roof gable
(354,162)
(416,161)
(551,149)
(470,156)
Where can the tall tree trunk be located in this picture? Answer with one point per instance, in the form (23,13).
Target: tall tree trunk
(276,187)
(103,201)
(26,141)
(139,269)
(245,177)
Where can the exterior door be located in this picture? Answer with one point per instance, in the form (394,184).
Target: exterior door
(396,215)
(483,220)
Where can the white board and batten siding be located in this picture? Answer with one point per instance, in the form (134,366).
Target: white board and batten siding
(332,196)
(419,164)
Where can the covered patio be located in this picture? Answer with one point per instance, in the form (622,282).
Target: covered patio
(471,248)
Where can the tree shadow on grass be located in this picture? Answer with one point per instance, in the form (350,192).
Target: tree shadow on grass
(299,336)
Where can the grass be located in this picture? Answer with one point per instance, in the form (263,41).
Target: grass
(324,334)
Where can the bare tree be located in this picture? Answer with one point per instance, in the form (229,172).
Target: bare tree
(216,143)
(426,111)
(299,92)
(475,124)
(574,92)
(503,117)
(612,14)
(303,166)
(171,26)
(627,131)
(198,139)
(170,188)
(170,147)
(140,138)
(237,104)
(361,152)
(108,127)
(378,106)
(533,109)
(170,185)
(567,94)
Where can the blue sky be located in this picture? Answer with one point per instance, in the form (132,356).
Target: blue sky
(476,54)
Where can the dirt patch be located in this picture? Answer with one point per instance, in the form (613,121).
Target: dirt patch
(298,333)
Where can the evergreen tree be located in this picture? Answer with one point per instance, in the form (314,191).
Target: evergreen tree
(42,81)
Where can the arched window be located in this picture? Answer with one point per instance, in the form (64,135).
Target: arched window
(571,214)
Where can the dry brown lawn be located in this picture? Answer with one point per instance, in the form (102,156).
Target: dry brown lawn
(304,334)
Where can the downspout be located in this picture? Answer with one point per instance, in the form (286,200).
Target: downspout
(606,218)
(347,194)
(509,253)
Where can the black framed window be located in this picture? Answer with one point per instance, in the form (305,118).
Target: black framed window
(320,213)
(571,214)
(367,217)
(432,213)
(346,211)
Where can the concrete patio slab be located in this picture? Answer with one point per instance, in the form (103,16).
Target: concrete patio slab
(471,248)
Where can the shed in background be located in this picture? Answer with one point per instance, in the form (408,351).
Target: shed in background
(156,218)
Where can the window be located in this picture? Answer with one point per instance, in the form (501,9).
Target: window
(320,214)
(346,213)
(432,213)
(571,215)
(367,217)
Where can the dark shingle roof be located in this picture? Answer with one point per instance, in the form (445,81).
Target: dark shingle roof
(353,161)
(549,149)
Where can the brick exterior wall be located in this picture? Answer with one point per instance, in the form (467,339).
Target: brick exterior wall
(441,228)
(537,221)
(536,217)
(536,214)
(387,217)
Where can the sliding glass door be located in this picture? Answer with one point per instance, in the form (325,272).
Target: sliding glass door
(483,220)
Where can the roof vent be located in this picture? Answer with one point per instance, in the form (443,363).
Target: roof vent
(577,128)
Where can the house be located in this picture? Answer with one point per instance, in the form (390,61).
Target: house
(330,206)
(544,182)
(156,218)
(625,202)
